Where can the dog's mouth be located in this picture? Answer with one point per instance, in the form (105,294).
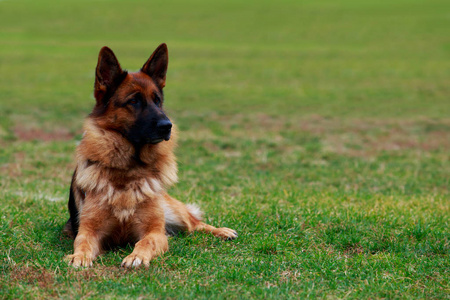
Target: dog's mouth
(155,141)
(158,140)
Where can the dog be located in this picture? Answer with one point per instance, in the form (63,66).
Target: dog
(125,163)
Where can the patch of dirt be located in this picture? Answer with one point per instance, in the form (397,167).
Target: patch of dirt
(13,169)
(31,134)
(31,275)
(353,250)
(372,138)
(289,275)
(352,137)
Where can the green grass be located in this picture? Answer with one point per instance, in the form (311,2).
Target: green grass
(319,130)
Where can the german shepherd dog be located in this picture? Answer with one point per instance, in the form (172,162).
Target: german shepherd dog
(125,163)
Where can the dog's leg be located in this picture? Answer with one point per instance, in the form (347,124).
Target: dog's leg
(188,218)
(149,228)
(222,232)
(93,227)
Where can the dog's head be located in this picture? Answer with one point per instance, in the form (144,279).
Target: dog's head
(132,103)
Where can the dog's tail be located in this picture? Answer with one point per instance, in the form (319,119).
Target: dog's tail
(188,217)
(179,216)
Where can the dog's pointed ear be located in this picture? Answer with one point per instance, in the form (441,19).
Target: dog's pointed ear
(108,74)
(156,65)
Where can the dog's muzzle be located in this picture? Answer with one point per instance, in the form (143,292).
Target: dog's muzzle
(163,129)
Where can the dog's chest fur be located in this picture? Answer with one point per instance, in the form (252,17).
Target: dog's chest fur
(107,172)
(123,195)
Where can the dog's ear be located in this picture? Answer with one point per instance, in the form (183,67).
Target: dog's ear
(108,74)
(156,65)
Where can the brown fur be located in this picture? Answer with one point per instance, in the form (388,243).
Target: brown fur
(119,191)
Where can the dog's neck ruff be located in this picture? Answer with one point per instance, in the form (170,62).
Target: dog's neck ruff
(107,170)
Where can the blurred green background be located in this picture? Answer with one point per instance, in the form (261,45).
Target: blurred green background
(296,58)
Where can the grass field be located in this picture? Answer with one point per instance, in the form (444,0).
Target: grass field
(319,130)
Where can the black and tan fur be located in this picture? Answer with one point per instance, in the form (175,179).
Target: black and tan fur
(125,163)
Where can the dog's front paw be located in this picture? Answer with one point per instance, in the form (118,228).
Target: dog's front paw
(146,249)
(225,233)
(79,260)
(135,260)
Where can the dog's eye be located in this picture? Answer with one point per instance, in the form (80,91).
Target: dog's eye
(133,101)
(157,100)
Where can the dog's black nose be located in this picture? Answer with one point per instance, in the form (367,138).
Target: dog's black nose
(164,126)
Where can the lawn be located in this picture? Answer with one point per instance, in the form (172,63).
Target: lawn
(319,130)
